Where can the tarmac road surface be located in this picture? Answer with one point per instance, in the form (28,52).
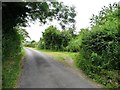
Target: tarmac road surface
(41,71)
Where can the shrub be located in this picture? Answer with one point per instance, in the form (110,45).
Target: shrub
(100,48)
(11,57)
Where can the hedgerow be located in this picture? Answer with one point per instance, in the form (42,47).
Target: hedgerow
(100,48)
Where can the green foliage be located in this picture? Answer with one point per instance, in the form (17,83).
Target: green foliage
(32,44)
(13,14)
(54,39)
(100,48)
(11,55)
(75,43)
(51,38)
(18,13)
(45,11)
(24,35)
(66,36)
(11,71)
(11,43)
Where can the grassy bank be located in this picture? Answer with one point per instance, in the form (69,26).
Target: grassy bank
(11,71)
(63,57)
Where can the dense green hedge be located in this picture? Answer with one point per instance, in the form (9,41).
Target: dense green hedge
(107,47)
(100,48)
(11,44)
(100,55)
(11,57)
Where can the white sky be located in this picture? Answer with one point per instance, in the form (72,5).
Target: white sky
(84,9)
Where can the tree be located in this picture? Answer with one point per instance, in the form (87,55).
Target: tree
(16,14)
(20,12)
(55,39)
(51,38)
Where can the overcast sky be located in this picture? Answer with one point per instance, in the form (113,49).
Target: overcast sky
(84,8)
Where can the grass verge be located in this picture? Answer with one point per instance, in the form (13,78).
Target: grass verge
(64,57)
(11,71)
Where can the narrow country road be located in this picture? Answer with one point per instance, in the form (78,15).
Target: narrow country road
(41,71)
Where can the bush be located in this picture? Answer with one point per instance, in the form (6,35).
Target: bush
(106,46)
(100,48)
(11,57)
(75,43)
(98,52)
(54,39)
